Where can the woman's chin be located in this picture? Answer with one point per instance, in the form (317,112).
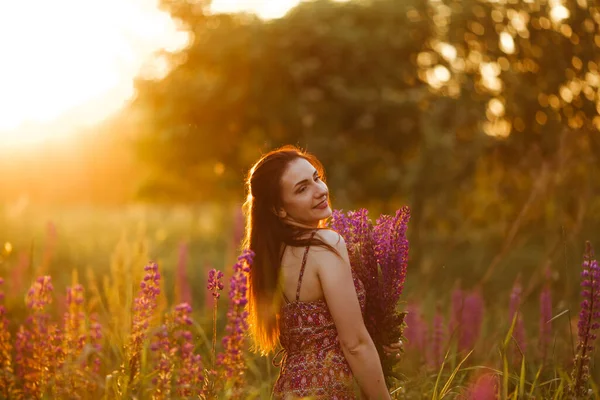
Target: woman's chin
(324,213)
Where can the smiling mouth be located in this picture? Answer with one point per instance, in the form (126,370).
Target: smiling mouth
(320,205)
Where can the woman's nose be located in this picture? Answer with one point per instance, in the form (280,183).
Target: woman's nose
(320,193)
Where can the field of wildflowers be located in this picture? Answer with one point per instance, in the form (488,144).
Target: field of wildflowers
(84,314)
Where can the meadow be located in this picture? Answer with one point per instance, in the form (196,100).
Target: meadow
(121,303)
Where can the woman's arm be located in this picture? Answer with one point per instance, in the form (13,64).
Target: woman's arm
(358,347)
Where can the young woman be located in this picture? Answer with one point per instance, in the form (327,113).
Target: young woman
(303,293)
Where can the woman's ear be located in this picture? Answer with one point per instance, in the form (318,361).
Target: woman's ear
(280,213)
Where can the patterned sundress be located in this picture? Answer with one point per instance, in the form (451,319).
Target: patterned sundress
(313,363)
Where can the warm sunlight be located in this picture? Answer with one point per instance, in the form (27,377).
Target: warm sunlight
(263,8)
(71,62)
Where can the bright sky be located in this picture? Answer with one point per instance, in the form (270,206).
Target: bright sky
(70,63)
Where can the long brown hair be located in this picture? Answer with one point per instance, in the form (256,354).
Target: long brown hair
(265,235)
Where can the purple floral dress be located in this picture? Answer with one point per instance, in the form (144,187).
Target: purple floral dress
(313,363)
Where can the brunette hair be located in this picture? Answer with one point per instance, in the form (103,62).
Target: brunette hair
(265,235)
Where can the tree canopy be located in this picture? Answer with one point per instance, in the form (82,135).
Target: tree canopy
(483,116)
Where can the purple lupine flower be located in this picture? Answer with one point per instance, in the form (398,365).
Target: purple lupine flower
(357,231)
(40,294)
(589,321)
(177,364)
(74,321)
(165,353)
(514,306)
(70,382)
(23,351)
(183,291)
(466,317)
(392,252)
(485,388)
(340,224)
(190,375)
(435,353)
(471,321)
(7,378)
(143,310)
(215,285)
(545,324)
(231,360)
(416,329)
(38,347)
(95,338)
(378,255)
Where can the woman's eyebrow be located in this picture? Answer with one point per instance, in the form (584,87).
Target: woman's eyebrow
(305,180)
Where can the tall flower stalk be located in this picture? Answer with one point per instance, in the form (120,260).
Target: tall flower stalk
(215,285)
(165,353)
(466,318)
(435,353)
(472,320)
(189,376)
(379,255)
(231,361)
(589,322)
(416,331)
(7,378)
(177,366)
(37,343)
(358,233)
(143,312)
(71,378)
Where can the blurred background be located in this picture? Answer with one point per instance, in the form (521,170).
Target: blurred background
(127,127)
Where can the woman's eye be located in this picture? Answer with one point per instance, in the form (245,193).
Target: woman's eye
(317,178)
(302,189)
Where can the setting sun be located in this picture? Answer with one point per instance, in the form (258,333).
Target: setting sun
(72,62)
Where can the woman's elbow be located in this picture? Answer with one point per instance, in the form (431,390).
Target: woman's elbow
(355,344)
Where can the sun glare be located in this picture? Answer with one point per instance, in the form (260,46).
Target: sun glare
(73,61)
(263,8)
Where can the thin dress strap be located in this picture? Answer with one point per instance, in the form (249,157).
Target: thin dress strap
(302,267)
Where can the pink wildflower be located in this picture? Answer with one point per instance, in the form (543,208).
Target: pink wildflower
(7,378)
(589,321)
(416,329)
(143,310)
(231,360)
(437,340)
(485,388)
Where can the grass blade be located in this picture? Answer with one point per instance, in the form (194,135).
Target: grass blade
(522,378)
(537,376)
(452,375)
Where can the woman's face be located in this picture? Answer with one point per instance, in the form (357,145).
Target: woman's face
(304,195)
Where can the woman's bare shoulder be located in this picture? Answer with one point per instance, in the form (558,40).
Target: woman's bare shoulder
(332,238)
